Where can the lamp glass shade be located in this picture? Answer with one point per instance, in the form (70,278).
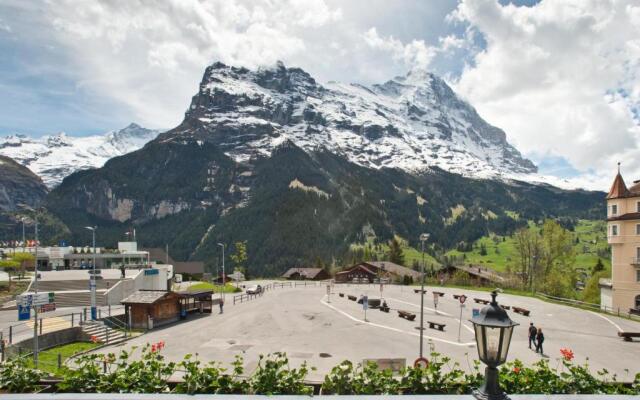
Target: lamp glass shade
(506,341)
(480,341)
(492,338)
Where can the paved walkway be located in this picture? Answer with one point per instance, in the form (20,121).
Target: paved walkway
(309,327)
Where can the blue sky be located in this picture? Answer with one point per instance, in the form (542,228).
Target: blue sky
(558,76)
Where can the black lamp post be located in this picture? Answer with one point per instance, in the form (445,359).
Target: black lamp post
(493,329)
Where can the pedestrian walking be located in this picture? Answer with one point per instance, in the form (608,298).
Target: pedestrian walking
(532,335)
(221,304)
(539,340)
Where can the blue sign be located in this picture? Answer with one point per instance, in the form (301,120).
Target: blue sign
(475,312)
(24,312)
(152,271)
(62,243)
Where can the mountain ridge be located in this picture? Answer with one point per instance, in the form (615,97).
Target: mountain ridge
(412,123)
(53,157)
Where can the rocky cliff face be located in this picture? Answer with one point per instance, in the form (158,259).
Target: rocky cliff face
(412,123)
(18,185)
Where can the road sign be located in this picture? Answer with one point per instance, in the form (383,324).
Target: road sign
(47,307)
(365,302)
(475,312)
(421,362)
(435,298)
(35,299)
(24,312)
(462,299)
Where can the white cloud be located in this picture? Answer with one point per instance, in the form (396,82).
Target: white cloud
(560,78)
(151,55)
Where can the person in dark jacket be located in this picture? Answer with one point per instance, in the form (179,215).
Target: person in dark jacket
(539,340)
(532,335)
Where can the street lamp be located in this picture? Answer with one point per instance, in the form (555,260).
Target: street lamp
(493,329)
(423,238)
(36,345)
(223,275)
(92,284)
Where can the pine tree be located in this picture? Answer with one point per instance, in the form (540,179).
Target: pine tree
(599,266)
(395,254)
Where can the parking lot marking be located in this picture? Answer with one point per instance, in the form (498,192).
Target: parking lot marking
(431,309)
(608,320)
(392,328)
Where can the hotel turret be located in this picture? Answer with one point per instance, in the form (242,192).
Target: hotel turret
(623,233)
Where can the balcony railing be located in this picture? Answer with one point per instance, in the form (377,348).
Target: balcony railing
(635,261)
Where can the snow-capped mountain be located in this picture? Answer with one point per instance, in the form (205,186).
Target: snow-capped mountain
(412,122)
(56,156)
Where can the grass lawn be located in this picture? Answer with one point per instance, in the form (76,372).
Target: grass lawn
(48,359)
(501,250)
(228,288)
(411,254)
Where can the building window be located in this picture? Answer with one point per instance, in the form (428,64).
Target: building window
(638,206)
(637,280)
(638,302)
(614,230)
(614,209)
(637,229)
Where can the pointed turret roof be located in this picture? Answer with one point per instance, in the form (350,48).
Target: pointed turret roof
(618,189)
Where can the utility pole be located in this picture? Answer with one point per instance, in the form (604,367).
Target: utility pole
(36,347)
(35,283)
(423,238)
(224,278)
(92,281)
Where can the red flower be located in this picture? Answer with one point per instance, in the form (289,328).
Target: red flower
(516,370)
(567,354)
(154,348)
(94,339)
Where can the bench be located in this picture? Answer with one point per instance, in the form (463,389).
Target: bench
(385,309)
(457,296)
(341,294)
(505,307)
(439,293)
(418,291)
(522,311)
(481,301)
(352,298)
(626,336)
(436,325)
(406,315)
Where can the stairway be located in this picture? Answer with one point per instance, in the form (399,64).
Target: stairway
(103,333)
(79,298)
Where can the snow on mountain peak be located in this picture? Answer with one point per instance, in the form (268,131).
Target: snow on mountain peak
(412,122)
(55,156)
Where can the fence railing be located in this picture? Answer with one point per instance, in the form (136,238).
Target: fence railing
(593,306)
(24,330)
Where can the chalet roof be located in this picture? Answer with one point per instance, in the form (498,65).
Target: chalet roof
(618,189)
(146,296)
(373,267)
(306,272)
(357,266)
(625,217)
(394,268)
(480,272)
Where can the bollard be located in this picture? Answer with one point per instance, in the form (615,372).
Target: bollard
(72,320)
(59,360)
(40,327)
(11,334)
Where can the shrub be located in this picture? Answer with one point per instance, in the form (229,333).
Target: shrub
(16,377)
(274,376)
